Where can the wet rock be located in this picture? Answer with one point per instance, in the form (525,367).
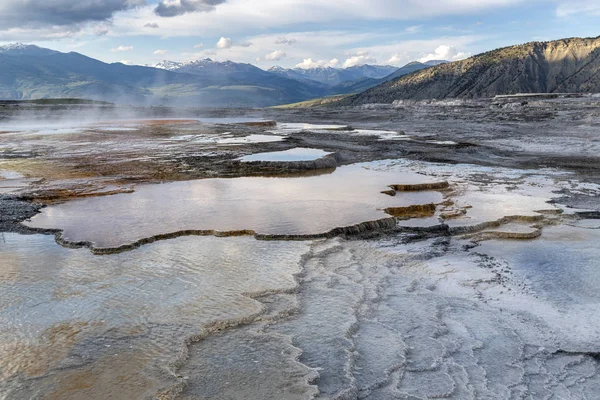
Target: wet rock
(455,230)
(514,231)
(329,162)
(453,214)
(420,186)
(261,124)
(589,214)
(415,211)
(13,210)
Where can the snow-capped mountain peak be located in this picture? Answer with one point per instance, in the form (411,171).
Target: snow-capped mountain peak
(20,49)
(174,65)
(276,68)
(334,76)
(168,65)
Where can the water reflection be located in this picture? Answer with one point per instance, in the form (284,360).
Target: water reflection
(291,206)
(75,325)
(297,154)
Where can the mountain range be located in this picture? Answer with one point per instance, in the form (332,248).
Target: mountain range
(328,80)
(31,72)
(335,76)
(561,66)
(566,65)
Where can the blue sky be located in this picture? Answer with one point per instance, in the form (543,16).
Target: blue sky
(292,32)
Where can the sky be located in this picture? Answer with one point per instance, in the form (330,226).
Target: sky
(292,33)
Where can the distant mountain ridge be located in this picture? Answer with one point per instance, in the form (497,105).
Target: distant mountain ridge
(367,83)
(20,49)
(335,76)
(206,66)
(560,66)
(31,72)
(433,63)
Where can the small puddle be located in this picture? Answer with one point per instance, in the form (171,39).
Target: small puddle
(484,207)
(442,142)
(256,138)
(233,120)
(297,154)
(8,174)
(288,128)
(382,135)
(225,138)
(562,265)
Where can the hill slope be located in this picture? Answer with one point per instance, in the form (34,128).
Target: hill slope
(567,65)
(230,75)
(367,83)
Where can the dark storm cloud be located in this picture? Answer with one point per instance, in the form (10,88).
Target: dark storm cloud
(173,8)
(19,13)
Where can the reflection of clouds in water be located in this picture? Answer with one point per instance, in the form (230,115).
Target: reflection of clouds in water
(494,206)
(491,193)
(162,293)
(303,205)
(561,265)
(297,127)
(291,128)
(11,265)
(165,291)
(296,154)
(255,138)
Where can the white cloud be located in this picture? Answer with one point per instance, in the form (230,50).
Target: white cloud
(122,49)
(360,58)
(333,63)
(399,59)
(160,52)
(309,63)
(126,62)
(224,43)
(414,29)
(339,46)
(227,43)
(199,45)
(275,56)
(242,16)
(445,52)
(567,8)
